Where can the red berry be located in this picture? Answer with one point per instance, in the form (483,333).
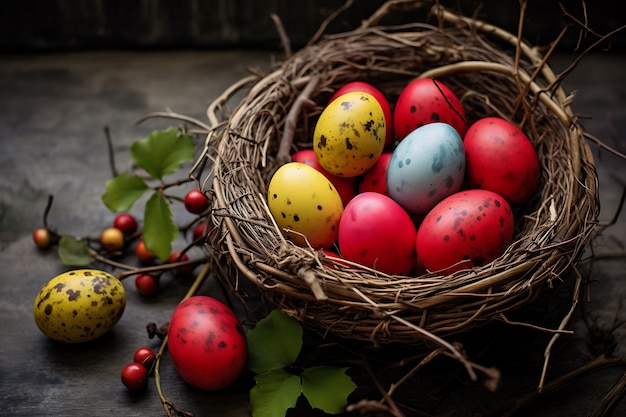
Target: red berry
(146,284)
(112,239)
(177,257)
(200,231)
(135,376)
(144,356)
(42,238)
(142,253)
(196,202)
(126,223)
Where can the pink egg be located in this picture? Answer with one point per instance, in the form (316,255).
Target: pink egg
(375,231)
(467,229)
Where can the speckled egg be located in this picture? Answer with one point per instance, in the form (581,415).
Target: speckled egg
(345,186)
(469,228)
(426,100)
(350,134)
(382,99)
(305,204)
(426,166)
(79,305)
(501,158)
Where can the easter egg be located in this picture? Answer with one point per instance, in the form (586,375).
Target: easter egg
(376,232)
(305,205)
(79,305)
(469,228)
(375,179)
(382,100)
(425,167)
(350,134)
(345,186)
(424,101)
(501,158)
(207,343)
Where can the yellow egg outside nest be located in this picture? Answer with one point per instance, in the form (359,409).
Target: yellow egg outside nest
(80,305)
(350,134)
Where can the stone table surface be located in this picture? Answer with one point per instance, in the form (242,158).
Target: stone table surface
(53,109)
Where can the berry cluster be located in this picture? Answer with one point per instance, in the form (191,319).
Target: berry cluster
(135,374)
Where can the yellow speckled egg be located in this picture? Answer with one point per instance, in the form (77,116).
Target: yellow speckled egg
(305,204)
(350,134)
(79,305)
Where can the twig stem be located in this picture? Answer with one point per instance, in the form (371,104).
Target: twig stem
(303,100)
(167,405)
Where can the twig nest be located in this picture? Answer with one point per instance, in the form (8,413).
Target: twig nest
(329,294)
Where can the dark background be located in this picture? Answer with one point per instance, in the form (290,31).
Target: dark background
(43,25)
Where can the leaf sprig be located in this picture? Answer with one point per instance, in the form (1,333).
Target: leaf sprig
(274,345)
(160,154)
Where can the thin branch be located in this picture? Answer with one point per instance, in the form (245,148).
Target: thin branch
(564,322)
(329,19)
(172,115)
(168,406)
(605,146)
(303,100)
(107,135)
(47,210)
(386,396)
(610,400)
(284,39)
(512,408)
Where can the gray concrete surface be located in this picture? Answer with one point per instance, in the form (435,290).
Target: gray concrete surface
(53,108)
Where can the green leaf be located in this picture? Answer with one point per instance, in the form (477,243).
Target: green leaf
(73,252)
(159,229)
(274,393)
(163,152)
(122,192)
(327,388)
(274,342)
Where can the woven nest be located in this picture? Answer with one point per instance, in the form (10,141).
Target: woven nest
(495,73)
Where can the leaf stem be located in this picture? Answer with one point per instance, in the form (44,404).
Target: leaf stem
(47,210)
(107,135)
(161,267)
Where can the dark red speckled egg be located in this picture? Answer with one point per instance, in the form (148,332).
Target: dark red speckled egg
(500,158)
(207,343)
(469,228)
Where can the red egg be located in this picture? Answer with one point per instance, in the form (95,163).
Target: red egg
(467,229)
(501,158)
(379,96)
(375,231)
(207,343)
(376,178)
(425,101)
(345,185)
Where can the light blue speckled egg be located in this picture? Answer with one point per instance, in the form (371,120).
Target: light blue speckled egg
(427,166)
